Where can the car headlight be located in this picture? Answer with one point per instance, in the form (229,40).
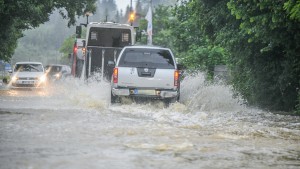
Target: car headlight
(43,78)
(57,75)
(14,79)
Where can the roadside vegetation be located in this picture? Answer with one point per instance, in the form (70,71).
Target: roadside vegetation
(259,41)
(18,16)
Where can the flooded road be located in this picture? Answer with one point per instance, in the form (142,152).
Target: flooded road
(72,125)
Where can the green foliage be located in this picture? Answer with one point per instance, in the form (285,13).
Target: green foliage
(297,111)
(192,37)
(162,20)
(204,58)
(186,29)
(143,26)
(272,58)
(293,9)
(42,43)
(17,16)
(67,46)
(162,23)
(258,40)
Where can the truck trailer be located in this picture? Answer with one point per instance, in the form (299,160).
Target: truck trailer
(102,44)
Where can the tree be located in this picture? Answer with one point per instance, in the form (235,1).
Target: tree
(193,44)
(293,9)
(17,16)
(272,37)
(260,38)
(42,43)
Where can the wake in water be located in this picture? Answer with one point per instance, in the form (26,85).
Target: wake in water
(212,108)
(82,94)
(202,106)
(196,94)
(199,95)
(208,127)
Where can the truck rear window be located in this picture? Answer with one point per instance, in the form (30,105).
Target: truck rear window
(109,37)
(151,58)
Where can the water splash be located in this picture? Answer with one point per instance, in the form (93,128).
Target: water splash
(207,127)
(199,95)
(209,108)
(92,94)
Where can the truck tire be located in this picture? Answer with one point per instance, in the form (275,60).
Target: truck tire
(113,99)
(168,101)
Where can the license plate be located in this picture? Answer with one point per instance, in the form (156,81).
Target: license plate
(123,92)
(27,82)
(144,92)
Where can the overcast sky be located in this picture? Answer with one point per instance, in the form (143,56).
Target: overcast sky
(122,4)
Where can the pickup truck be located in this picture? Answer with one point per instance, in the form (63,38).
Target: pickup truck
(145,72)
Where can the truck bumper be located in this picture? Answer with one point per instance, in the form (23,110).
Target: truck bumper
(151,93)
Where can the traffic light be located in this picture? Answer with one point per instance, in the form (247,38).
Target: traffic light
(78,31)
(131,17)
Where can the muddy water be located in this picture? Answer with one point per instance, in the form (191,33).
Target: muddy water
(72,125)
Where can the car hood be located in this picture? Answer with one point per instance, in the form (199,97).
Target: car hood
(28,74)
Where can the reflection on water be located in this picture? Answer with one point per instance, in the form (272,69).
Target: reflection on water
(72,125)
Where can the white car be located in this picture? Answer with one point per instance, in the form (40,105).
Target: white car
(28,75)
(145,71)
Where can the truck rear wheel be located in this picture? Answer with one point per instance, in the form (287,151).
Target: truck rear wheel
(170,100)
(113,99)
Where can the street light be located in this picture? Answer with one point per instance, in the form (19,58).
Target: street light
(87,14)
(131,17)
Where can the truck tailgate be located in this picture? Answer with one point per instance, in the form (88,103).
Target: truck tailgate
(162,79)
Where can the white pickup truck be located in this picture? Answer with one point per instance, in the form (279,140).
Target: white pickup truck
(145,71)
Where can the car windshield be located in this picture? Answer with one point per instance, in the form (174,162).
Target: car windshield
(152,58)
(54,69)
(29,68)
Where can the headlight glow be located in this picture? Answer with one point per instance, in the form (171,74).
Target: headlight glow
(57,76)
(14,79)
(43,78)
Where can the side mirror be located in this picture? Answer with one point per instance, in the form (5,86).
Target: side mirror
(111,63)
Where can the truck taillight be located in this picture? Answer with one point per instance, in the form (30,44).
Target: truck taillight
(176,78)
(83,50)
(75,49)
(115,75)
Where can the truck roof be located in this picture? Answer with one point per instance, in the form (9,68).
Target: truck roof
(108,25)
(147,46)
